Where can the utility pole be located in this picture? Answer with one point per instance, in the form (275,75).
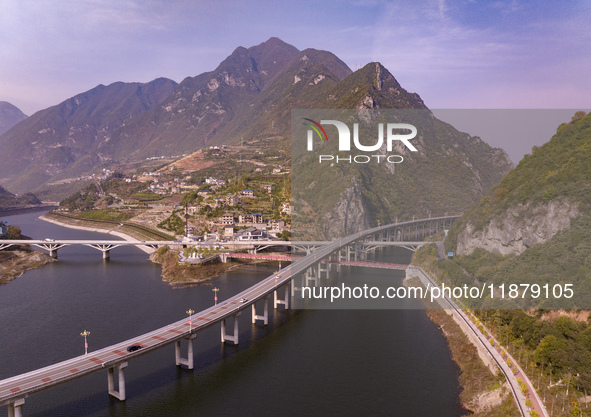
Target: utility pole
(84,334)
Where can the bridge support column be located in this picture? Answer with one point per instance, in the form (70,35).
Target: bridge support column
(265,316)
(325,270)
(120,395)
(311,274)
(230,338)
(15,408)
(294,288)
(53,253)
(224,257)
(188,361)
(339,258)
(106,254)
(285,301)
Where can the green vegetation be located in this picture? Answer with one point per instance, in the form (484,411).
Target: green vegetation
(105,214)
(7,199)
(173,223)
(13,233)
(81,200)
(146,197)
(559,169)
(435,181)
(553,349)
(285,235)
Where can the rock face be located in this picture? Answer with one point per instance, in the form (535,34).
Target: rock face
(519,228)
(348,215)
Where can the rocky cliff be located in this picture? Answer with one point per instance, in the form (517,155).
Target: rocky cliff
(518,228)
(534,202)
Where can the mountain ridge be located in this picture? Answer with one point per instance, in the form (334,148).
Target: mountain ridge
(10,115)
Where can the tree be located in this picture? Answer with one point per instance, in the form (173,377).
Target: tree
(13,233)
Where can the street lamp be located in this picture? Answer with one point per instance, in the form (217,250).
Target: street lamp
(215,298)
(84,334)
(190,313)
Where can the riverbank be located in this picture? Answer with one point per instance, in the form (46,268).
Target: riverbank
(16,260)
(173,272)
(485,393)
(11,211)
(91,227)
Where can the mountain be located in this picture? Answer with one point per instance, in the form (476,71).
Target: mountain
(193,114)
(62,141)
(449,172)
(535,201)
(534,226)
(8,199)
(9,116)
(249,98)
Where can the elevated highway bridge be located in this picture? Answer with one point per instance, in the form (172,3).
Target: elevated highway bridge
(116,358)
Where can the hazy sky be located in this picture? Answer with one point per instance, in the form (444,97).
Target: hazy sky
(453,53)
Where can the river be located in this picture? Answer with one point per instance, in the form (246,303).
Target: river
(304,363)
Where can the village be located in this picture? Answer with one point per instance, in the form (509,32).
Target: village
(214,195)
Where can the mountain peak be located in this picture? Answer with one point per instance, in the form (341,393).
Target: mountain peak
(9,116)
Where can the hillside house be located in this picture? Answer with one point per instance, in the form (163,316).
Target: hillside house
(252,234)
(245,218)
(232,200)
(227,218)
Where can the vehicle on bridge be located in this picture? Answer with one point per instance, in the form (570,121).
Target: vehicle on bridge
(133,348)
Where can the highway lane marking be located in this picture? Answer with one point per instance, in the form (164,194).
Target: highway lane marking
(118,352)
(74,370)
(46,379)
(175,331)
(15,389)
(96,360)
(158,338)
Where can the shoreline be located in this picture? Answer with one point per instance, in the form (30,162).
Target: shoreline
(166,277)
(122,235)
(483,391)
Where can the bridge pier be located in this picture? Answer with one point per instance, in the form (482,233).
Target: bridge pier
(325,270)
(15,408)
(120,395)
(224,257)
(285,301)
(265,316)
(311,274)
(230,338)
(188,361)
(340,257)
